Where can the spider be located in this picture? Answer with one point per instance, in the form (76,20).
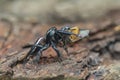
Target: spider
(52,38)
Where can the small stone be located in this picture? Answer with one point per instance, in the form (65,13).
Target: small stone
(71,74)
(117,47)
(54,75)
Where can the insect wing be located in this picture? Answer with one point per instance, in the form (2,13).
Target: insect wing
(74,30)
(83,33)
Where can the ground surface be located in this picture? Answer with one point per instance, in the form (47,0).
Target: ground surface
(92,58)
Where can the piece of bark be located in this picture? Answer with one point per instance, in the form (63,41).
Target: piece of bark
(7,63)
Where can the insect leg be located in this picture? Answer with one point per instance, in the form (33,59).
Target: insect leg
(39,53)
(65,47)
(57,51)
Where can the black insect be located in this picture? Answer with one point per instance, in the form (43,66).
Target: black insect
(52,38)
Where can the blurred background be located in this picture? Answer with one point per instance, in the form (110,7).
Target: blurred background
(56,11)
